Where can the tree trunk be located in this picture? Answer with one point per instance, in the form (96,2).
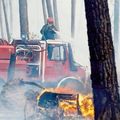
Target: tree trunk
(49,8)
(23,19)
(102,59)
(11,68)
(11,15)
(1,20)
(44,11)
(6,20)
(55,14)
(73,4)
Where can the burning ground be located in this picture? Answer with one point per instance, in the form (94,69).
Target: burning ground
(18,102)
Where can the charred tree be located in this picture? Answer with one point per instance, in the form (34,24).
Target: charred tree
(102,59)
(11,68)
(49,8)
(73,4)
(44,11)
(55,14)
(6,20)
(23,19)
(11,15)
(1,20)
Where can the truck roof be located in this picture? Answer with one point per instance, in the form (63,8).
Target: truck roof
(37,42)
(57,41)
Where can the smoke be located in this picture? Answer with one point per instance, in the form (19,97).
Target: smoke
(12,101)
(18,102)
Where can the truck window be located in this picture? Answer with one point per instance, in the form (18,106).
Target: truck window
(56,52)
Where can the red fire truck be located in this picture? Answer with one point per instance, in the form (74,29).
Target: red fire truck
(50,62)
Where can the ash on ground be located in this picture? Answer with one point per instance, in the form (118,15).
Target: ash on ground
(17,102)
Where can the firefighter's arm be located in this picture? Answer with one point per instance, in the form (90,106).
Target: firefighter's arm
(43,29)
(54,28)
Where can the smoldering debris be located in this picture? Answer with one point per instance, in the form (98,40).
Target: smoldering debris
(18,103)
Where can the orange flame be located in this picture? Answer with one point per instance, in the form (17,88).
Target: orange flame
(86,106)
(70,107)
(80,104)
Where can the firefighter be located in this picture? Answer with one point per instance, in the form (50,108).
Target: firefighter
(48,31)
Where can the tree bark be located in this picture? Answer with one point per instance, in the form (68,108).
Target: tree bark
(23,19)
(102,59)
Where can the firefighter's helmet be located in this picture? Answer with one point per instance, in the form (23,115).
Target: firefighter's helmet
(50,20)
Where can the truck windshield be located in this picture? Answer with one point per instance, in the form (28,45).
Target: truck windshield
(56,52)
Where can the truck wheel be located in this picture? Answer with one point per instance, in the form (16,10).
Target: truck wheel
(72,83)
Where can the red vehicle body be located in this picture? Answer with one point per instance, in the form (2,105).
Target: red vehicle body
(48,61)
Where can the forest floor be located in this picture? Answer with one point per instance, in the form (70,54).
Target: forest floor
(13,98)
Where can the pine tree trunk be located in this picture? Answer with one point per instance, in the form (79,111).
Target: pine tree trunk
(55,14)
(11,15)
(6,20)
(103,69)
(23,19)
(49,8)
(1,20)
(44,11)
(73,4)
